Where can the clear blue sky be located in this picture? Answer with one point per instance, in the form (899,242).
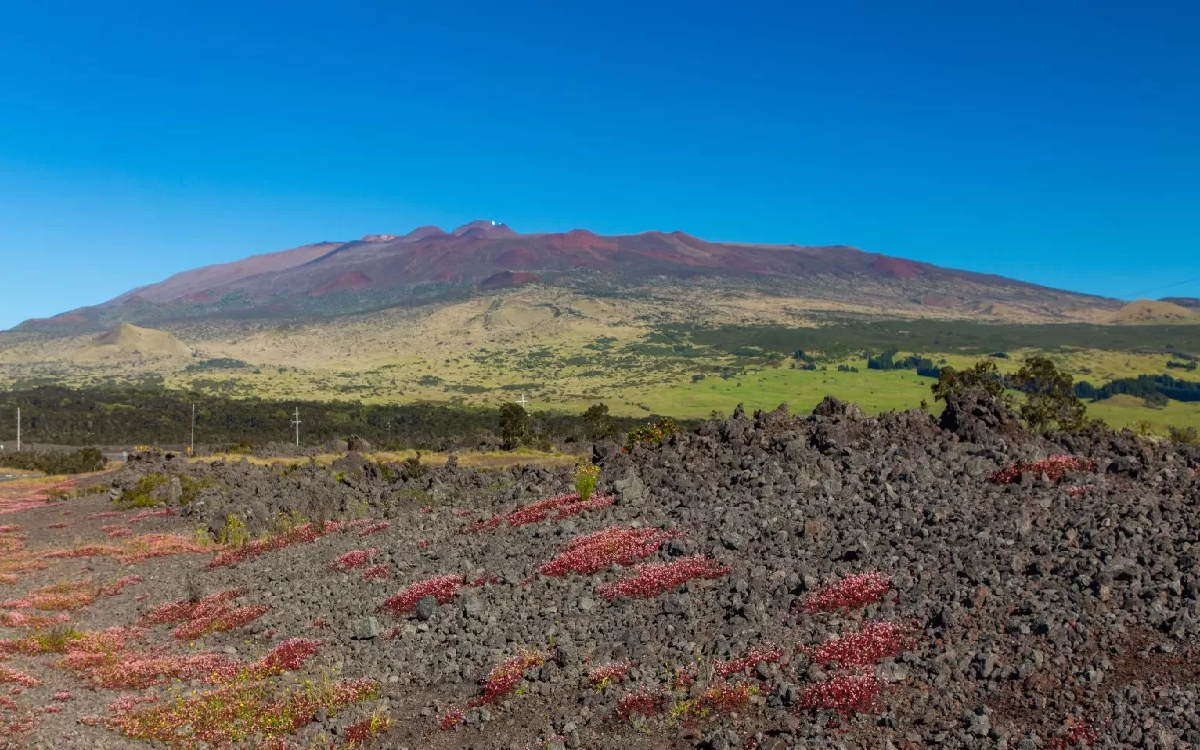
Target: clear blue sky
(1051,141)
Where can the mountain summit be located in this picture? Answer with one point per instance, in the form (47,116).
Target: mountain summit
(427,264)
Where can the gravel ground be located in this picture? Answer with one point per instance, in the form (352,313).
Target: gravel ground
(1017,604)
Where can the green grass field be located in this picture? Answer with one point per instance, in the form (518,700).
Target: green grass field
(873,390)
(1130,411)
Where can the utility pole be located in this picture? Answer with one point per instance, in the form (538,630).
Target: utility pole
(522,401)
(296,421)
(192,448)
(18,429)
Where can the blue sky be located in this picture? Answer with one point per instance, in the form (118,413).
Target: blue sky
(1054,142)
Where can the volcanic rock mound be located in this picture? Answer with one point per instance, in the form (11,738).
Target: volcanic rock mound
(767,581)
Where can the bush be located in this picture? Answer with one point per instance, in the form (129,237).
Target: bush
(1183,435)
(233,533)
(142,494)
(651,433)
(191,488)
(82,461)
(585,480)
(412,468)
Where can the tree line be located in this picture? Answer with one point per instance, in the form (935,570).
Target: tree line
(130,416)
(1154,389)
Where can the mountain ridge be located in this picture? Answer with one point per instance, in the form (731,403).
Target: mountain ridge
(428,263)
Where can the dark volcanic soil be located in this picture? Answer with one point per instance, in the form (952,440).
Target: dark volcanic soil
(1050,607)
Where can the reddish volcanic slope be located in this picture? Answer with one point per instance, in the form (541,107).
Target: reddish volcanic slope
(478,252)
(385,269)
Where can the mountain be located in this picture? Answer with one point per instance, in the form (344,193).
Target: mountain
(380,271)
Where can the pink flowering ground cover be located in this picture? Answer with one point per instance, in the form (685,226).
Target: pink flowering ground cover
(559,507)
(615,545)
(651,579)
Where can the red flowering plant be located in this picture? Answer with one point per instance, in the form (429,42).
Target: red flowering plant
(651,579)
(1053,468)
(876,641)
(767,653)
(851,592)
(443,588)
(592,553)
(560,506)
(353,559)
(846,693)
(602,676)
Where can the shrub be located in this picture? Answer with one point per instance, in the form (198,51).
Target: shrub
(190,488)
(233,533)
(142,494)
(1184,435)
(651,433)
(412,468)
(585,480)
(82,461)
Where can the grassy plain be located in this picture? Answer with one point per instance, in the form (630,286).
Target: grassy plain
(640,355)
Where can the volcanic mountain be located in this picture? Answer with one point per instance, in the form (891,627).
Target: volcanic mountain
(428,264)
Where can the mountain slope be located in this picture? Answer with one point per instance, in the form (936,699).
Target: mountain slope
(428,264)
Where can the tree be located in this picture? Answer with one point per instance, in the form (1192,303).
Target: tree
(1050,398)
(515,425)
(983,374)
(599,425)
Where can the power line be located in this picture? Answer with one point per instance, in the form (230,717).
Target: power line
(1166,286)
